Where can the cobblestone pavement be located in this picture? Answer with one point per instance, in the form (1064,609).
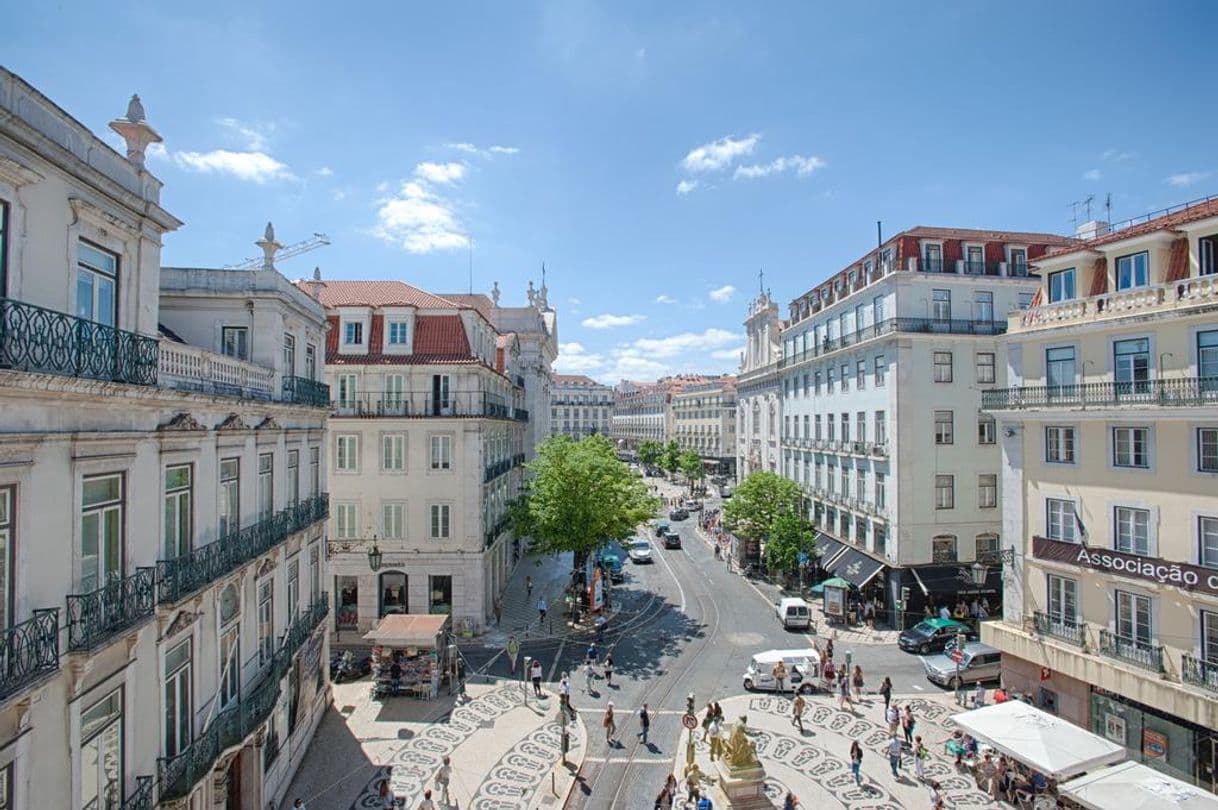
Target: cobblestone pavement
(815,765)
(504,752)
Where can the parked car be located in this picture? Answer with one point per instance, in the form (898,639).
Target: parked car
(693,506)
(639,550)
(793,612)
(672,539)
(661,528)
(978,662)
(611,564)
(678,514)
(932,635)
(725,492)
(800,666)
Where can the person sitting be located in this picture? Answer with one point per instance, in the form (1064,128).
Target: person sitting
(1000,695)
(987,774)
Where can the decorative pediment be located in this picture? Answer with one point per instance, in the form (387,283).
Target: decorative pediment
(233,422)
(183,620)
(265,567)
(16,173)
(182,422)
(268,424)
(99,217)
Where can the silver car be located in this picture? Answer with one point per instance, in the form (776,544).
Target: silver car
(639,551)
(979,662)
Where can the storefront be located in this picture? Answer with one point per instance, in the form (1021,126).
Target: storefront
(934,586)
(862,571)
(1163,742)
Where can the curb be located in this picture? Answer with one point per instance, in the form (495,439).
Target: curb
(563,773)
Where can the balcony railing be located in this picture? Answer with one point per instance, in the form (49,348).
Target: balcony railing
(1147,656)
(178,774)
(1173,391)
(518,460)
(141,798)
(1199,672)
(420,404)
(1057,627)
(40,340)
(944,326)
(192,368)
(303,391)
(520,414)
(95,617)
(182,576)
(28,651)
(496,529)
(496,469)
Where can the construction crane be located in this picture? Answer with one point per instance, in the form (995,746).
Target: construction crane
(273,250)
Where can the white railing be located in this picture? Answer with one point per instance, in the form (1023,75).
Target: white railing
(1165,297)
(194,369)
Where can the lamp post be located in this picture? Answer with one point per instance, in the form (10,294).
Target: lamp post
(374,556)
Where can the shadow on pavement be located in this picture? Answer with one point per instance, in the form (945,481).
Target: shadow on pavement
(329,774)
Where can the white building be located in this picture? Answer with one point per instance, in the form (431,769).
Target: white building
(580,406)
(704,420)
(882,369)
(641,413)
(161,503)
(428,436)
(759,390)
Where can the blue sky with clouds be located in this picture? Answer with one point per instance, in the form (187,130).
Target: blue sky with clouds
(654,155)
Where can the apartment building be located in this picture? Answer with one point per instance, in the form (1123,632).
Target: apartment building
(881,374)
(580,406)
(704,420)
(1108,427)
(640,413)
(427,441)
(161,499)
(759,390)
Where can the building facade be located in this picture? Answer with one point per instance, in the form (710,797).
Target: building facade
(759,390)
(1109,435)
(881,374)
(161,492)
(704,420)
(427,440)
(580,406)
(641,413)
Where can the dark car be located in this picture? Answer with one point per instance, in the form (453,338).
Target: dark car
(672,540)
(678,514)
(932,635)
(612,566)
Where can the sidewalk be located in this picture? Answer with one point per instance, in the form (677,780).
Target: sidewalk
(815,765)
(550,573)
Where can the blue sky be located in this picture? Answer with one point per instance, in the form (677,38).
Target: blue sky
(654,155)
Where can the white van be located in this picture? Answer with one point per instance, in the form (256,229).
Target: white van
(793,612)
(801,670)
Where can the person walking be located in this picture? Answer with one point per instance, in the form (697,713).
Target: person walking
(892,715)
(564,695)
(443,777)
(386,796)
(528,587)
(427,803)
(498,612)
(886,693)
(907,724)
(780,674)
(920,755)
(790,802)
(644,724)
(706,720)
(797,712)
(936,796)
(857,682)
(608,669)
(589,674)
(979,696)
(856,761)
(535,677)
(715,732)
(609,723)
(894,755)
(541,610)
(591,654)
(843,690)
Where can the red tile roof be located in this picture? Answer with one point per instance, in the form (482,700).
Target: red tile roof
(437,339)
(376,294)
(1171,219)
(981,235)
(477,301)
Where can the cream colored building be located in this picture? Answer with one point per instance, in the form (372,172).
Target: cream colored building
(1110,452)
(161,501)
(641,413)
(427,442)
(580,406)
(759,390)
(704,420)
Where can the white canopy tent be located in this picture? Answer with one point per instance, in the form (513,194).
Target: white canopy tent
(1133,786)
(1053,746)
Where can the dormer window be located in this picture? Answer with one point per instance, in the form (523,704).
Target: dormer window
(1061,286)
(353,333)
(1133,271)
(933,258)
(398,333)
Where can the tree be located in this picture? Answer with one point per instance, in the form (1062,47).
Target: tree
(578,497)
(690,464)
(789,535)
(649,453)
(758,502)
(670,458)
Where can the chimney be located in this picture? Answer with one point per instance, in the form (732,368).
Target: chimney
(269,247)
(1092,229)
(135,131)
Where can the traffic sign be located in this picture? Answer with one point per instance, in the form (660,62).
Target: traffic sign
(689,721)
(803,558)
(957,655)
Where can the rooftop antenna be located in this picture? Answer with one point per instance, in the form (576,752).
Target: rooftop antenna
(1087,202)
(1108,207)
(470,245)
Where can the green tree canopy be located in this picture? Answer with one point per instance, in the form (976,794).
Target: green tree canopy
(670,457)
(690,464)
(649,453)
(757,503)
(580,495)
(789,535)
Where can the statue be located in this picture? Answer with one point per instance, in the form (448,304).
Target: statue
(532,294)
(135,110)
(495,294)
(739,751)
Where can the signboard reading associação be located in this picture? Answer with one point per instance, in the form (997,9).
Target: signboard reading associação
(1106,560)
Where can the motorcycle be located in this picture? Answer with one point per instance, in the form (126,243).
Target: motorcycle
(346,667)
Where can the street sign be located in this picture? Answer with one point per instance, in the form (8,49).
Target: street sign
(803,558)
(689,721)
(957,655)
(513,650)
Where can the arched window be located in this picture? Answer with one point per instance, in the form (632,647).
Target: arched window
(943,548)
(230,604)
(987,548)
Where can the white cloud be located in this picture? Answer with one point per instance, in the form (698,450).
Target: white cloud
(156,151)
(339,194)
(257,167)
(728,354)
(686,186)
(665,299)
(572,357)
(325,171)
(673,345)
(574,302)
(419,220)
(253,136)
(611,321)
(471,149)
(503,150)
(723,294)
(1186,178)
(802,166)
(1093,174)
(718,155)
(634,366)
(440,173)
(1116,155)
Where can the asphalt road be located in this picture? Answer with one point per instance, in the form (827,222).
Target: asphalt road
(687,624)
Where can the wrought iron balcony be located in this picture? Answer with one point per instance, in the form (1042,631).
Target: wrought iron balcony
(1199,672)
(422,404)
(496,469)
(182,576)
(520,414)
(141,798)
(28,651)
(1058,627)
(94,618)
(229,728)
(40,340)
(1175,391)
(892,325)
(303,391)
(518,460)
(492,534)
(1147,656)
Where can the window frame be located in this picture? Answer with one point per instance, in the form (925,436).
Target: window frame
(937,358)
(182,539)
(945,483)
(945,427)
(441,462)
(1066,520)
(439,523)
(1126,516)
(346,460)
(241,334)
(1062,432)
(393,452)
(1134,454)
(1059,278)
(987,482)
(982,366)
(1132,271)
(987,429)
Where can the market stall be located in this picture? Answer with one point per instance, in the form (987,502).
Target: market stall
(1134,786)
(409,654)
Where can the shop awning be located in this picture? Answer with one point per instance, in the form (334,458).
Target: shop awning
(1055,747)
(1134,786)
(409,630)
(856,567)
(829,549)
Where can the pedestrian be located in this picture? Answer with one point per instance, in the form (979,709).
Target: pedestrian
(894,755)
(856,761)
(600,627)
(541,610)
(907,723)
(644,724)
(608,669)
(869,614)
(298,804)
(461,678)
(564,695)
(535,676)
(715,732)
(920,756)
(718,712)
(979,696)
(797,712)
(443,776)
(886,692)
(664,799)
(589,674)
(829,649)
(790,802)
(706,720)
(427,803)
(498,612)
(591,654)
(385,795)
(936,797)
(892,715)
(609,723)
(528,586)
(843,689)
(857,681)
(780,674)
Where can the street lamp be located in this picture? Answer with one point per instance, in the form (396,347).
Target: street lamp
(374,556)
